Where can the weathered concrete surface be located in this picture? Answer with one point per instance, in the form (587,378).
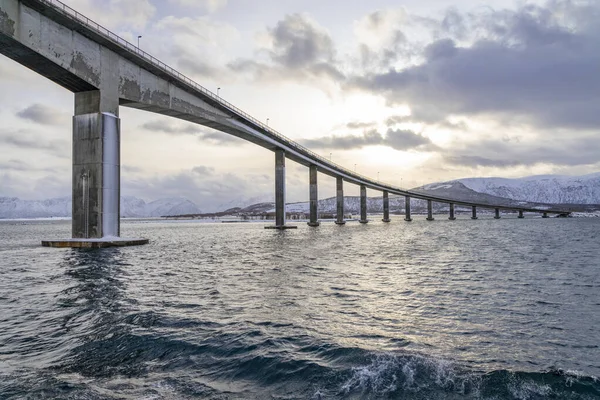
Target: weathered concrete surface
(363,205)
(429,210)
(474,212)
(407,208)
(96,175)
(386,206)
(314,196)
(451,217)
(339,183)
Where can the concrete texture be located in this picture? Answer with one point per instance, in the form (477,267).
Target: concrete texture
(451,217)
(314,196)
(474,212)
(339,183)
(407,208)
(429,210)
(386,206)
(279,188)
(363,205)
(94,243)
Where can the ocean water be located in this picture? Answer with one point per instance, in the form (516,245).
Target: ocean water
(487,309)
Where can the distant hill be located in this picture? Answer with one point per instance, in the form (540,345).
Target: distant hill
(13,207)
(551,189)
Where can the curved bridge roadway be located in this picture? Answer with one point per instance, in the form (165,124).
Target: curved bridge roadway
(105,72)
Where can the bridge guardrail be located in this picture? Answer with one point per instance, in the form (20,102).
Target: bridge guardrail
(176,74)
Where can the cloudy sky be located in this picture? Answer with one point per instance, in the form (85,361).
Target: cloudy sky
(414,91)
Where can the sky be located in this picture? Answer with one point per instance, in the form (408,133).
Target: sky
(408,92)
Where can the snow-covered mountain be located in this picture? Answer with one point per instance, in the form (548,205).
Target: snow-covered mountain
(13,207)
(554,189)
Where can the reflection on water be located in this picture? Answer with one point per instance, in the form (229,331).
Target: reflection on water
(466,309)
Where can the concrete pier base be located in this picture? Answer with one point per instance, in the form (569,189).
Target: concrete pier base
(363,205)
(497,213)
(451,217)
(545,215)
(474,212)
(339,219)
(407,209)
(429,210)
(313,196)
(386,206)
(281,227)
(521,214)
(94,243)
(280,193)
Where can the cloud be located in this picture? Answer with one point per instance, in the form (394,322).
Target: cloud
(398,139)
(210,6)
(298,48)
(537,63)
(26,140)
(41,114)
(174,128)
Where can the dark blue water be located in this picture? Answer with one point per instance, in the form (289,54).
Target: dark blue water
(486,309)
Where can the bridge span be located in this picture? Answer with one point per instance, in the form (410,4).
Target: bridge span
(104,71)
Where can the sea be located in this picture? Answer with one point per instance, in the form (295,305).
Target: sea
(486,309)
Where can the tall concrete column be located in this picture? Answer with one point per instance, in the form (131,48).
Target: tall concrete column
(340,201)
(545,215)
(474,212)
(386,206)
(429,210)
(407,208)
(314,198)
(452,217)
(497,213)
(363,204)
(96,169)
(279,188)
(521,214)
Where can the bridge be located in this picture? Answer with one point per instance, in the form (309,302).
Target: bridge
(104,71)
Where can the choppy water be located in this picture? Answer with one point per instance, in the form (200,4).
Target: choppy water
(485,309)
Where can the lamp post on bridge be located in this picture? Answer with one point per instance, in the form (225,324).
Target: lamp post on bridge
(267,121)
(330,156)
(218,91)
(139,37)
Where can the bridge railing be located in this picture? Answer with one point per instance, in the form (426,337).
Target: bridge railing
(161,65)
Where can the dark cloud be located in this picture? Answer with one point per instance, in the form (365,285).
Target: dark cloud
(26,140)
(361,125)
(503,153)
(41,114)
(176,129)
(301,49)
(203,170)
(398,139)
(539,63)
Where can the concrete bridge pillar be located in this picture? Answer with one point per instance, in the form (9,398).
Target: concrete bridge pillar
(96,167)
(407,208)
(314,198)
(363,204)
(280,192)
(521,214)
(497,213)
(429,210)
(340,201)
(452,217)
(474,212)
(386,206)
(545,215)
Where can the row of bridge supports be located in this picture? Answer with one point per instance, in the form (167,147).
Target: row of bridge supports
(314,200)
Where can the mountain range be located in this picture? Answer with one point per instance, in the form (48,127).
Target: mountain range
(541,189)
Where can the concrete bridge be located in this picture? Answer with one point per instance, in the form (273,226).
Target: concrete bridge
(105,72)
